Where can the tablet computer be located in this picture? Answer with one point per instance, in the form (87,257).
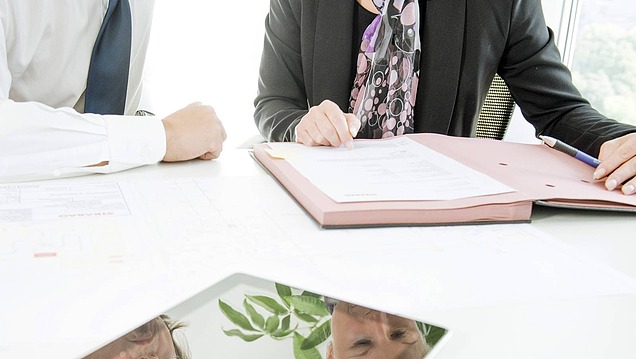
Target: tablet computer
(248,317)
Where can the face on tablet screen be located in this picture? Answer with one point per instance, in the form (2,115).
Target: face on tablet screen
(246,317)
(151,340)
(360,332)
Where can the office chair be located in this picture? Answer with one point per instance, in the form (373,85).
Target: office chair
(497,110)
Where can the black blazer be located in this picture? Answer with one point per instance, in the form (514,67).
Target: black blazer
(308,50)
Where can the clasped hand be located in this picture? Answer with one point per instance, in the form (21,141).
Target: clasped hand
(193,132)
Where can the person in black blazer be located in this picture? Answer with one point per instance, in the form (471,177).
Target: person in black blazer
(307,70)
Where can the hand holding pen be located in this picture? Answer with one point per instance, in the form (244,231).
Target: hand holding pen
(616,162)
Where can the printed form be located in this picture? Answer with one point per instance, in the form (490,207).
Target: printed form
(44,201)
(398,169)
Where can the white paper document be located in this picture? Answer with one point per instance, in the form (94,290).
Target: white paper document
(398,169)
(40,202)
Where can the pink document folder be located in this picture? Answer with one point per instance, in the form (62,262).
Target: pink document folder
(538,173)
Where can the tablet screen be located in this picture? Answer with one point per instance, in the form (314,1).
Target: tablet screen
(247,317)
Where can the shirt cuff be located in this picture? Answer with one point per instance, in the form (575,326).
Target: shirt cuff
(135,140)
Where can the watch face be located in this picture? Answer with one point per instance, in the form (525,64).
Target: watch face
(248,317)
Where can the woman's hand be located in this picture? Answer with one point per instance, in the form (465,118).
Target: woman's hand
(618,164)
(327,125)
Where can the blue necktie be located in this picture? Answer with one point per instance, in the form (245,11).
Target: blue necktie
(107,81)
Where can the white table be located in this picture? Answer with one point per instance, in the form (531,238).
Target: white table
(58,319)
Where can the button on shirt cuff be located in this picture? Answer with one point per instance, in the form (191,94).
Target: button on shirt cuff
(134,140)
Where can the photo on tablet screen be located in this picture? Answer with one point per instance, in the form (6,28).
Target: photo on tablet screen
(248,317)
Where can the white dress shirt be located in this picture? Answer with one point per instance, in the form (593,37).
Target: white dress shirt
(45,50)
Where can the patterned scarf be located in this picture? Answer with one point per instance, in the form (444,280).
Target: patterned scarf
(385,86)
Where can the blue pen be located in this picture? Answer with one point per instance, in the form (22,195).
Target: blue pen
(565,148)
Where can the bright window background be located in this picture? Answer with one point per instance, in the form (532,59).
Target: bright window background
(604,57)
(597,40)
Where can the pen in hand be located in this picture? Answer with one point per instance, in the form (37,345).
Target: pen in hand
(565,148)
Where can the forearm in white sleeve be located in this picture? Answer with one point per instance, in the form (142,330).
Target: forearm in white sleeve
(38,142)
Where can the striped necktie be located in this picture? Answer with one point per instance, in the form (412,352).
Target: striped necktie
(107,80)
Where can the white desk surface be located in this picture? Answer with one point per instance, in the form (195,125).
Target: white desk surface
(40,320)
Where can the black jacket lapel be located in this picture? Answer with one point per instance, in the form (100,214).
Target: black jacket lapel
(442,48)
(333,36)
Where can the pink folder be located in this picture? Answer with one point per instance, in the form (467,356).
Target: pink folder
(538,173)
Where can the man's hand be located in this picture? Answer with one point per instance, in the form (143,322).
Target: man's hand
(327,125)
(618,164)
(194,131)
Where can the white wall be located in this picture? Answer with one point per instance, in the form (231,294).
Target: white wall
(207,51)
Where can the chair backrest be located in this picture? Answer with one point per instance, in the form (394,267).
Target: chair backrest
(497,110)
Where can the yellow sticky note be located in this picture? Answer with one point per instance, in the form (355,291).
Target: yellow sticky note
(281,154)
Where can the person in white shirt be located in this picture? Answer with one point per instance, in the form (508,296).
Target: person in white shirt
(45,52)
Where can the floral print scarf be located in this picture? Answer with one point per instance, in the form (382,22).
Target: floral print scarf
(385,85)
